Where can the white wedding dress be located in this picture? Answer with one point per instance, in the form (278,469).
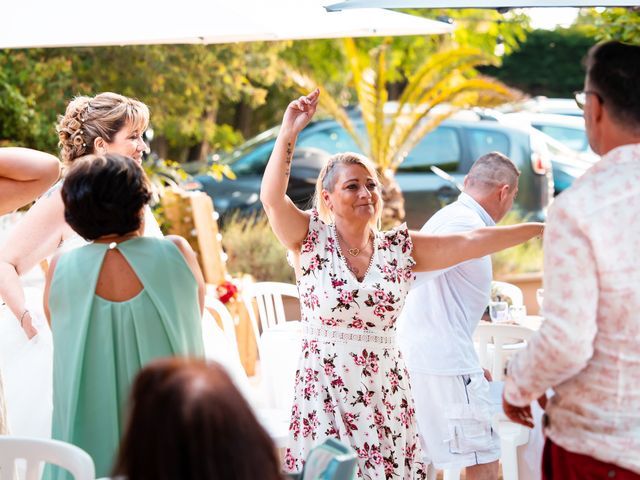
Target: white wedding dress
(26,365)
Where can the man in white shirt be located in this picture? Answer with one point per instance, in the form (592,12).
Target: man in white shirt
(436,329)
(588,347)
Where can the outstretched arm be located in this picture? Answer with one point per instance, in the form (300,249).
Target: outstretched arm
(289,223)
(24,175)
(432,252)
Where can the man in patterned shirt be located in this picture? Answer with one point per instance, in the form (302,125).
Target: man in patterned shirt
(588,348)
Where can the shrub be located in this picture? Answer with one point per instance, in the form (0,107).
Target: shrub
(523,258)
(253,249)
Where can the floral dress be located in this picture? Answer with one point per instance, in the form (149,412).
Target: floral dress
(351,381)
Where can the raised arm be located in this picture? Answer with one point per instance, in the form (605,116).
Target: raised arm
(432,252)
(289,223)
(24,175)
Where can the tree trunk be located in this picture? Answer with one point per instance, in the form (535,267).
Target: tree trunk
(243,120)
(393,209)
(201,151)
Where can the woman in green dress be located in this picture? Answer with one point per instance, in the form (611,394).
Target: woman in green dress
(114,305)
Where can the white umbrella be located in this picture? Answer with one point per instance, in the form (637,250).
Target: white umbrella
(352,4)
(43,23)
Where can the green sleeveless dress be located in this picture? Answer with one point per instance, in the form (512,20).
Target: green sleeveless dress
(100,345)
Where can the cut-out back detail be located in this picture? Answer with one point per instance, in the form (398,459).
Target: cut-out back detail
(117,281)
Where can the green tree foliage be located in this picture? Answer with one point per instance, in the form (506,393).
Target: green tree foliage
(549,63)
(184,85)
(622,24)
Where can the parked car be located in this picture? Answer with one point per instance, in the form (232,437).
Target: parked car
(571,133)
(453,147)
(542,104)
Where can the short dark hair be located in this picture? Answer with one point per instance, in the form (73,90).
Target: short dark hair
(187,420)
(104,195)
(613,70)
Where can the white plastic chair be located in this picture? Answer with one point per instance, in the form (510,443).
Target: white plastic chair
(268,298)
(497,339)
(510,290)
(37,450)
(277,339)
(496,342)
(275,421)
(216,306)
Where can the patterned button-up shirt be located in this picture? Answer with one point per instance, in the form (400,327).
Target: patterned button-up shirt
(588,347)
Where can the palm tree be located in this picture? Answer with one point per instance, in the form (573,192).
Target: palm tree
(446,82)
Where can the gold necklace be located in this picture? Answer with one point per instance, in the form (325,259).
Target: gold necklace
(354,252)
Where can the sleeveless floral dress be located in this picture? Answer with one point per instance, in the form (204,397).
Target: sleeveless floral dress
(351,381)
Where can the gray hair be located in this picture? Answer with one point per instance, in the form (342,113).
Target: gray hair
(491,170)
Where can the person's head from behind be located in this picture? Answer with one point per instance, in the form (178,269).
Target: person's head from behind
(106,123)
(187,420)
(348,188)
(611,96)
(493,182)
(105,195)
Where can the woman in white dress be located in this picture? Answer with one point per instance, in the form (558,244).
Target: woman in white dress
(106,123)
(24,175)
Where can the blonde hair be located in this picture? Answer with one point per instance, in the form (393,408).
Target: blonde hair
(327,181)
(88,118)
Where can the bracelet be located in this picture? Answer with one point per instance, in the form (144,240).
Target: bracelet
(22,316)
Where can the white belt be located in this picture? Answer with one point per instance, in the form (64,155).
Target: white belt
(347,336)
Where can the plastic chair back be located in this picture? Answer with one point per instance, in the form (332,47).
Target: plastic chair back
(510,290)
(35,451)
(218,308)
(499,339)
(268,298)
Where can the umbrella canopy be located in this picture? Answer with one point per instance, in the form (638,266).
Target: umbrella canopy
(43,23)
(353,4)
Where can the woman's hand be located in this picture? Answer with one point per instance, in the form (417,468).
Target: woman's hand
(300,112)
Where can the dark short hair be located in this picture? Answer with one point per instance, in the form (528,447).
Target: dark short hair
(613,70)
(104,195)
(187,420)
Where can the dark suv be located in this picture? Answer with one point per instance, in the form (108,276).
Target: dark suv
(453,147)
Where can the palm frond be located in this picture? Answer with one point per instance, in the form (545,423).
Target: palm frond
(464,94)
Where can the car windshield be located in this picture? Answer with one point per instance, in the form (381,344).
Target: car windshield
(251,144)
(573,138)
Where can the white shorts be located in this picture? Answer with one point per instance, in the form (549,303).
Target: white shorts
(454,417)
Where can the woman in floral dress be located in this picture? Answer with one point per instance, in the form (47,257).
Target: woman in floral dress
(351,381)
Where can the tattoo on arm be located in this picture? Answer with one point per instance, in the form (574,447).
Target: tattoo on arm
(288,159)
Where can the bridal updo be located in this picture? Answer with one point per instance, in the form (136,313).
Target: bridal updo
(88,118)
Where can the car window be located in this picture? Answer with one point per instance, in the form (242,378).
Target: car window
(485,141)
(573,138)
(440,147)
(254,162)
(333,140)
